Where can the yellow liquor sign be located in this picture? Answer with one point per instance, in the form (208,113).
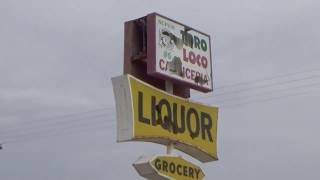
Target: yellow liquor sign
(168,167)
(145,113)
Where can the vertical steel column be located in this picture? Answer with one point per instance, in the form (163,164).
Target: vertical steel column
(169,89)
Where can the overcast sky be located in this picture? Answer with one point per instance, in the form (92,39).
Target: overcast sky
(56,100)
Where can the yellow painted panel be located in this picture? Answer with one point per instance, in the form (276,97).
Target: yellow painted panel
(193,124)
(176,168)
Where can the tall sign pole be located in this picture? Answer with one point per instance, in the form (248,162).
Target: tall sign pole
(169,89)
(163,60)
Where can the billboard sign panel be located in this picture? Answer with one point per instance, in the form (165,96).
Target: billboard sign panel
(179,53)
(168,167)
(145,113)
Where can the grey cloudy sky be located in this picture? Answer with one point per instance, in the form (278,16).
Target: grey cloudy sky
(57,58)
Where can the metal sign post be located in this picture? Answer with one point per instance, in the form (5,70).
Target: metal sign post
(169,89)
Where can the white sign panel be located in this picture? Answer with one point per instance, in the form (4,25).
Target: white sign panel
(182,54)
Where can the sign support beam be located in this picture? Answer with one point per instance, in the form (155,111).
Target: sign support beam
(169,89)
